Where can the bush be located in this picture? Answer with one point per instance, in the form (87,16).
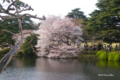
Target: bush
(101,54)
(27,50)
(6,50)
(117,57)
(111,55)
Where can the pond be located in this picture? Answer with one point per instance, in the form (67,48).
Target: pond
(29,68)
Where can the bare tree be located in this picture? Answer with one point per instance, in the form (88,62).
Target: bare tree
(14,11)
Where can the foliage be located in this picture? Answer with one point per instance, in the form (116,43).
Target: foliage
(105,21)
(101,54)
(78,17)
(19,4)
(76,13)
(27,50)
(13,9)
(6,50)
(117,57)
(12,25)
(111,55)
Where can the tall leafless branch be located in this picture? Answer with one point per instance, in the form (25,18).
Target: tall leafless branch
(10,6)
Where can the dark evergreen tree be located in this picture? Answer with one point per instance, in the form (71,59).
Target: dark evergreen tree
(105,21)
(12,25)
(76,13)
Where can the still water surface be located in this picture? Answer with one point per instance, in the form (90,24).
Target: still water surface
(61,69)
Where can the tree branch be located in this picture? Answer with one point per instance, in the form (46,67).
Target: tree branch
(66,36)
(11,54)
(34,16)
(24,10)
(31,44)
(12,0)
(8,17)
(20,16)
(10,6)
(5,12)
(30,41)
(8,57)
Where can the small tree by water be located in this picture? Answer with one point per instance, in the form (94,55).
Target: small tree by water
(27,50)
(59,38)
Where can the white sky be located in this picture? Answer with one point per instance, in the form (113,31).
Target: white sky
(60,7)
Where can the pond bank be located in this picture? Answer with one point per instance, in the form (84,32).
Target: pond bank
(87,56)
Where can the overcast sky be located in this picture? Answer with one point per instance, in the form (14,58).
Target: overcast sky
(60,7)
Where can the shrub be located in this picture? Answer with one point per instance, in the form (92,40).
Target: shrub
(27,50)
(101,54)
(117,57)
(6,50)
(111,55)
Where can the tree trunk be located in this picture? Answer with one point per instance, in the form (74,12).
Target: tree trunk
(11,54)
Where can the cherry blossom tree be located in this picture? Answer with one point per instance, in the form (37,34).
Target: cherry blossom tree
(59,38)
